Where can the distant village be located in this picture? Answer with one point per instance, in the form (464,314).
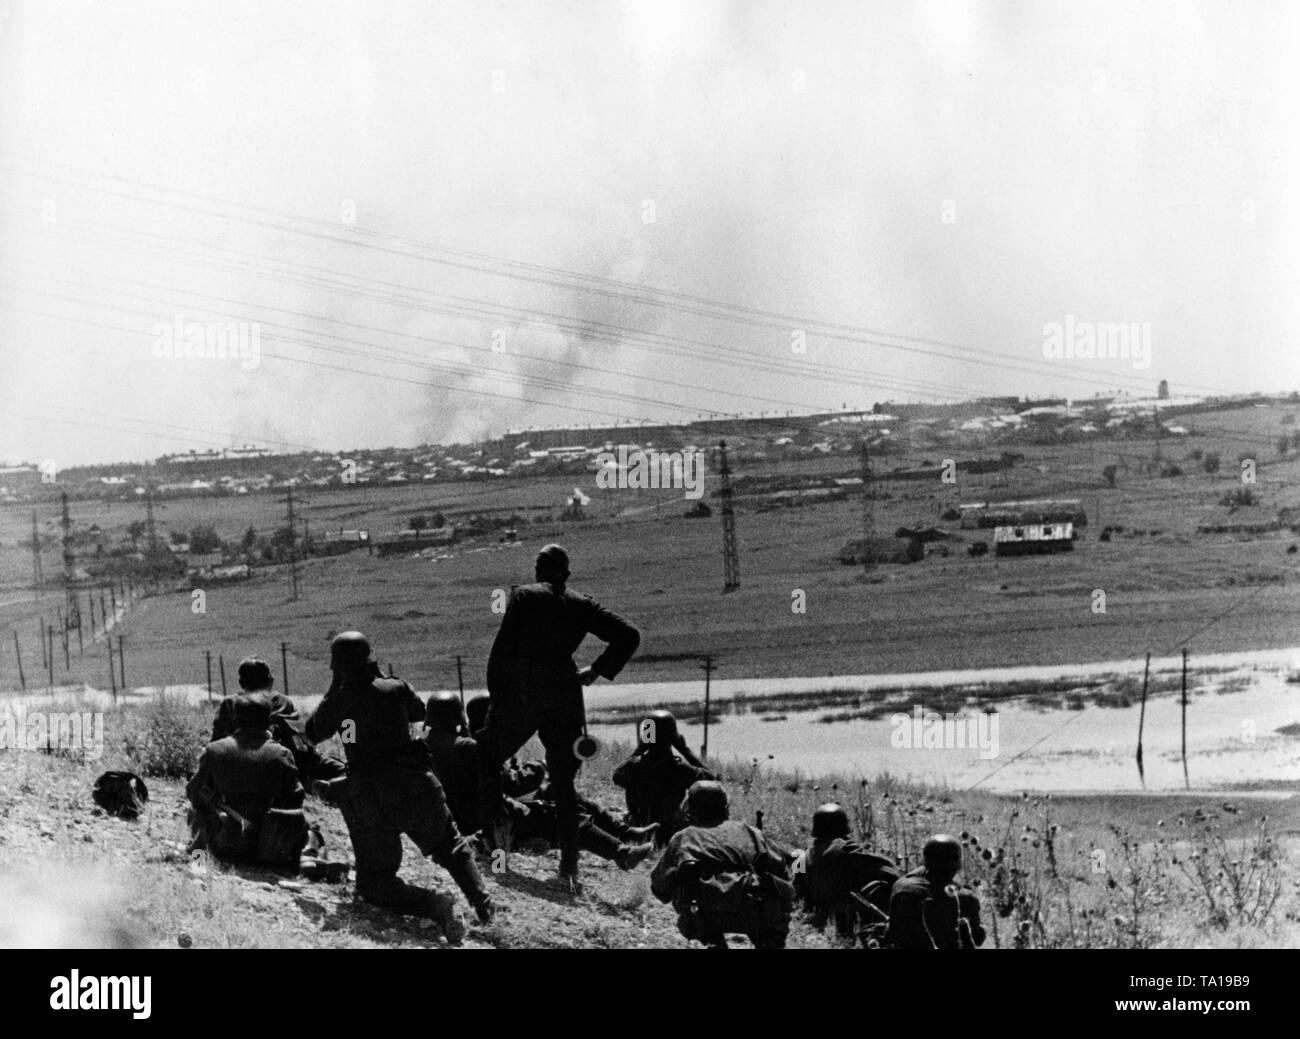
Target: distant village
(887,428)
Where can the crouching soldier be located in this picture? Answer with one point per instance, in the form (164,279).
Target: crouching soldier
(722,877)
(839,880)
(245,798)
(658,774)
(391,788)
(927,910)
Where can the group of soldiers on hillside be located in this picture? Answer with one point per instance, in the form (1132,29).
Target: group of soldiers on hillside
(460,790)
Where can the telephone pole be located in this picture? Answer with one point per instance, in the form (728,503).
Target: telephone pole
(293,544)
(868,510)
(150,525)
(72,609)
(37,578)
(730,554)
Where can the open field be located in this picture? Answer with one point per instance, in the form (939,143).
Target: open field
(1165,584)
(1065,871)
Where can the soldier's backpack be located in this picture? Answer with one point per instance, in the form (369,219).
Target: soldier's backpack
(120,793)
(283,836)
(741,903)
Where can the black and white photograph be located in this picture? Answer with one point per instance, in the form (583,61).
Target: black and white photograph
(650,475)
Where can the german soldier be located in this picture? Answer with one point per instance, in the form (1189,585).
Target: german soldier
(927,910)
(391,788)
(535,687)
(723,877)
(658,775)
(837,875)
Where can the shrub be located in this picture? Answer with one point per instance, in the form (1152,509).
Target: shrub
(164,736)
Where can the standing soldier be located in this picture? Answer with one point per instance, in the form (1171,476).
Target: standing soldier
(535,687)
(723,877)
(927,910)
(391,789)
(658,774)
(835,869)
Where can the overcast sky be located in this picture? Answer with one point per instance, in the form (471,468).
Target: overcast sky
(411,202)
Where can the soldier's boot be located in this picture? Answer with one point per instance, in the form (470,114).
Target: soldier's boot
(442,910)
(459,862)
(641,834)
(632,855)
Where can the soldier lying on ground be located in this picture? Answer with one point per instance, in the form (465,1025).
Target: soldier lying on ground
(535,814)
(658,774)
(722,877)
(391,788)
(834,869)
(314,769)
(245,798)
(927,910)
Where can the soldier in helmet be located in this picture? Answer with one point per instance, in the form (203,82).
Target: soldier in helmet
(658,774)
(723,877)
(391,788)
(535,687)
(927,910)
(455,756)
(532,798)
(243,780)
(835,869)
(315,769)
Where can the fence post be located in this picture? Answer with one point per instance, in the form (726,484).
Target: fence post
(284,665)
(221,666)
(207,661)
(18,652)
(121,662)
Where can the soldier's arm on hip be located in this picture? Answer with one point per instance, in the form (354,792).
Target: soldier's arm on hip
(621,637)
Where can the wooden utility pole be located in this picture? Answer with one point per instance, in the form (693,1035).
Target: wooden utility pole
(121,661)
(284,665)
(38,579)
(221,666)
(49,654)
(1142,717)
(18,652)
(460,679)
(112,678)
(868,511)
(1187,783)
(708,669)
(293,545)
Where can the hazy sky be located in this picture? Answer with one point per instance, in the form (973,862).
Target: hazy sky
(410,201)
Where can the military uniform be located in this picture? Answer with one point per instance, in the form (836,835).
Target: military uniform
(240,779)
(656,781)
(924,912)
(535,688)
(456,763)
(725,879)
(832,871)
(288,730)
(391,790)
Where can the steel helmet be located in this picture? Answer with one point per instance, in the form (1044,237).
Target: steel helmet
(706,803)
(658,728)
(349,651)
(830,821)
(942,852)
(444,710)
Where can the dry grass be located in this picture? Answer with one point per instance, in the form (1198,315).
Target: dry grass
(1182,871)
